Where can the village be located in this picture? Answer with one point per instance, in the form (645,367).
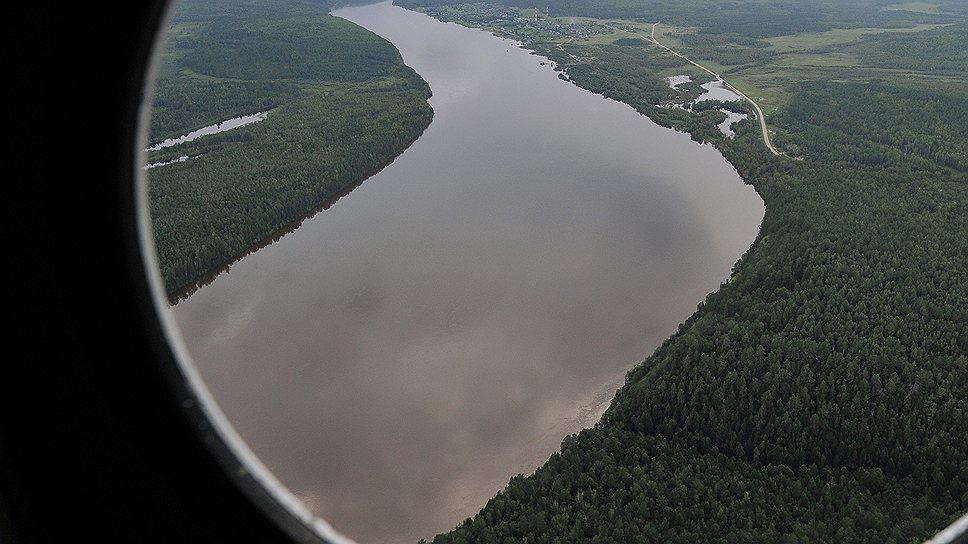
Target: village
(527,25)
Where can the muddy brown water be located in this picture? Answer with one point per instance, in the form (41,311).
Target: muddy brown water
(401,355)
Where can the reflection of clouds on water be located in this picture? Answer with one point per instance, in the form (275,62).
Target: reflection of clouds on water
(445,325)
(712,90)
(726,126)
(715,90)
(365,299)
(233,324)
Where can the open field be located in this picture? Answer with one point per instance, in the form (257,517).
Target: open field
(917,7)
(832,55)
(807,41)
(765,69)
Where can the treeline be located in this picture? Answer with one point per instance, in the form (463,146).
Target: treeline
(303,47)
(940,50)
(628,74)
(754,19)
(613,486)
(341,105)
(819,395)
(729,49)
(838,347)
(913,126)
(182,104)
(734,106)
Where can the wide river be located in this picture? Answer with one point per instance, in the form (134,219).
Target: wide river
(401,355)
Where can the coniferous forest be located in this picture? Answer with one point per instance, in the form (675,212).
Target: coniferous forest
(821,395)
(339,102)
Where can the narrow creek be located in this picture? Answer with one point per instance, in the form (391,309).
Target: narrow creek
(221,126)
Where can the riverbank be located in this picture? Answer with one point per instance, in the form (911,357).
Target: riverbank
(815,323)
(759,112)
(448,323)
(208,277)
(336,119)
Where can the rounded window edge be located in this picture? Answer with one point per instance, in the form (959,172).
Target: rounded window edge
(251,477)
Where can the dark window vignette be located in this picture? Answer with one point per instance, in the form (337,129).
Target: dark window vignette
(99,435)
(92,438)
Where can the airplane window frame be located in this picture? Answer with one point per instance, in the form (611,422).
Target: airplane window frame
(101,435)
(239,462)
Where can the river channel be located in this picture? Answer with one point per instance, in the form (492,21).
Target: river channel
(401,355)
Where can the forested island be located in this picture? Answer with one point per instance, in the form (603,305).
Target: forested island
(339,104)
(820,394)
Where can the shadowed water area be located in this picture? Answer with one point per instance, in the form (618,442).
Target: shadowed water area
(401,355)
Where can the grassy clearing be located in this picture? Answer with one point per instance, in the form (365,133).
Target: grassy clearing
(808,41)
(603,39)
(917,7)
(765,69)
(810,56)
(820,60)
(670,36)
(769,95)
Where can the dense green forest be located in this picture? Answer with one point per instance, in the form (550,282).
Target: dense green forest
(941,50)
(821,394)
(339,103)
(752,18)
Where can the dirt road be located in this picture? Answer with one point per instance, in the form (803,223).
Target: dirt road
(759,112)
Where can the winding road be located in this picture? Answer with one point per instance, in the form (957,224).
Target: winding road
(759,112)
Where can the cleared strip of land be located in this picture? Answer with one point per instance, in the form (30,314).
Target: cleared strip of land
(759,112)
